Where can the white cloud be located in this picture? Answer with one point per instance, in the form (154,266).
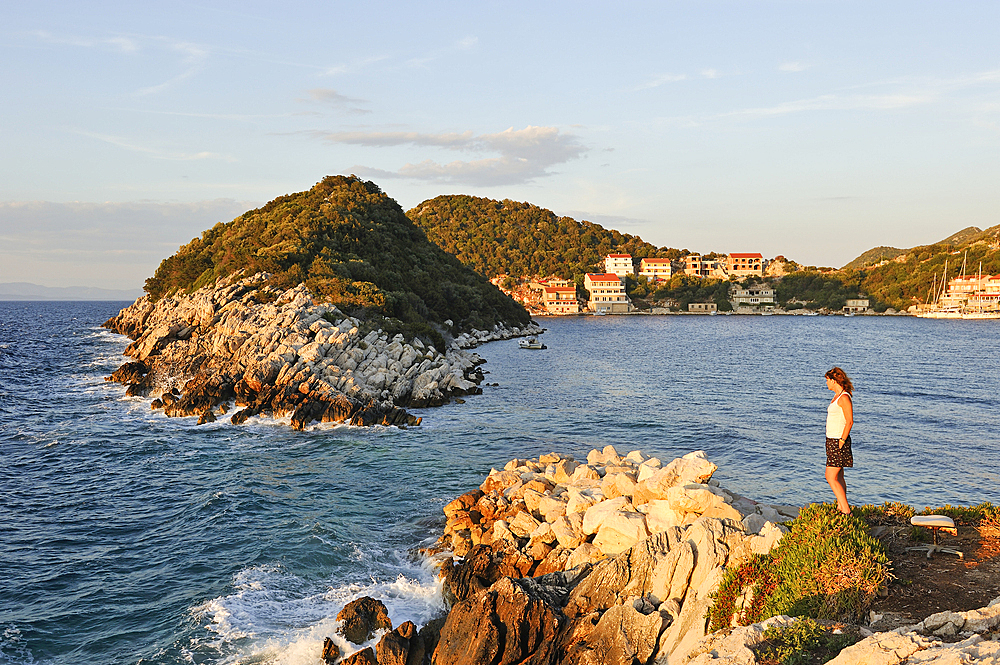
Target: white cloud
(840,103)
(156,153)
(660,79)
(792,67)
(711,73)
(192,59)
(522,155)
(331,97)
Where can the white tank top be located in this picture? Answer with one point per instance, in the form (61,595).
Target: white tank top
(835,419)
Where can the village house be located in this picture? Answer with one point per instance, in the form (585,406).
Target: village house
(758,294)
(619,264)
(607,293)
(854,305)
(695,265)
(745,265)
(561,300)
(703,307)
(657,270)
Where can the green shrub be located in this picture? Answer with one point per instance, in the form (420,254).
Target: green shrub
(805,641)
(828,566)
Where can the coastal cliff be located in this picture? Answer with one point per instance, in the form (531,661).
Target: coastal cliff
(281,353)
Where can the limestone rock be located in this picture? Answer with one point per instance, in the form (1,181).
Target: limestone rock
(598,512)
(330,653)
(360,619)
(620,531)
(622,636)
(508,623)
(364,657)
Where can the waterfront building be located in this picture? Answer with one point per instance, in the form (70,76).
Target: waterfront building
(703,307)
(856,305)
(979,292)
(619,264)
(754,295)
(745,265)
(607,293)
(657,270)
(561,300)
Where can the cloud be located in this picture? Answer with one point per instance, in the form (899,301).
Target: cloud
(898,94)
(883,102)
(192,58)
(660,79)
(331,97)
(522,155)
(792,67)
(154,152)
(711,73)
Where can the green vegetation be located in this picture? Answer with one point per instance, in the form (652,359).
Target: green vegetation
(523,240)
(827,567)
(352,246)
(805,641)
(686,289)
(818,290)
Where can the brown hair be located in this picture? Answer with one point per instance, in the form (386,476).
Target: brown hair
(840,377)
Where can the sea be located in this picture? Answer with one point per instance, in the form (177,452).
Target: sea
(129,537)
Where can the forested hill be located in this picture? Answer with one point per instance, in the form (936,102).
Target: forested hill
(907,277)
(353,246)
(520,239)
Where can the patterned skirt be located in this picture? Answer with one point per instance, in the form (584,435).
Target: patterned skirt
(839,457)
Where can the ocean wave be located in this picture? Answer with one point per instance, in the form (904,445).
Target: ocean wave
(14,648)
(274,616)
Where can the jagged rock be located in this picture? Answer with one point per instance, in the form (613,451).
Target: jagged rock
(482,567)
(597,513)
(622,636)
(511,622)
(361,618)
(400,647)
(364,657)
(331,652)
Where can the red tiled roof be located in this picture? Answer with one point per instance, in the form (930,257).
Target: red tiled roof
(603,277)
(754,255)
(619,256)
(657,260)
(560,289)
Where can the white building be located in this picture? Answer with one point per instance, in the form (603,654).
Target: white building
(619,264)
(561,300)
(657,270)
(607,293)
(754,295)
(745,265)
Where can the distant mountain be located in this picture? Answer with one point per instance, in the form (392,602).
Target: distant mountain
(27,291)
(909,274)
(523,240)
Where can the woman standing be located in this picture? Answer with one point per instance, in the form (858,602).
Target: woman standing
(839,420)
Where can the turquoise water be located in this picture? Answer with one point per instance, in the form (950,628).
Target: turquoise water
(127,537)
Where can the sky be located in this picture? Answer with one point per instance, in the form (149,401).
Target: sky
(813,130)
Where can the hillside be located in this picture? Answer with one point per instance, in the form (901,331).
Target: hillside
(521,239)
(353,247)
(908,277)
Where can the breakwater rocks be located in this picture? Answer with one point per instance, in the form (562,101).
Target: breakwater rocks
(278,352)
(607,561)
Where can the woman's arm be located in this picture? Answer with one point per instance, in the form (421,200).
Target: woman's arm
(848,409)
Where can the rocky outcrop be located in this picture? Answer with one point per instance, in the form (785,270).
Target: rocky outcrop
(608,561)
(933,640)
(282,354)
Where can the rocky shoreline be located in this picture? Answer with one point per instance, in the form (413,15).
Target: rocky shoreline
(266,351)
(611,561)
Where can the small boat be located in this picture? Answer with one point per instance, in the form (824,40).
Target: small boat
(531,343)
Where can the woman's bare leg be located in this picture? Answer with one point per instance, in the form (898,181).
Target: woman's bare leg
(835,476)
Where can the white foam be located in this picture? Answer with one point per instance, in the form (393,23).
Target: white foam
(276,617)
(13,647)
